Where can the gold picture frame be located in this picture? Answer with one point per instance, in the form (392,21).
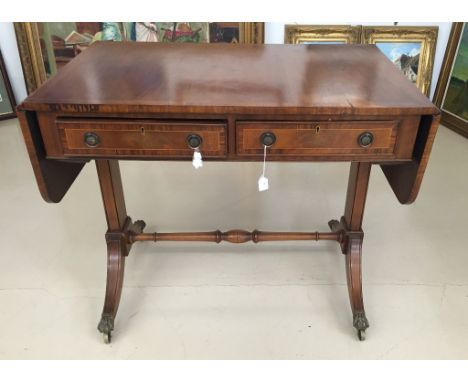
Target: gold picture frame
(252,33)
(425,37)
(450,119)
(29,47)
(32,56)
(307,34)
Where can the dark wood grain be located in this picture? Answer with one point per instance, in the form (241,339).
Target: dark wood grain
(52,177)
(235,236)
(120,228)
(356,195)
(332,85)
(406,179)
(352,221)
(112,194)
(216,78)
(116,216)
(318,138)
(141,137)
(352,235)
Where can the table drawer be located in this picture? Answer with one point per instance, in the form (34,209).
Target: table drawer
(322,138)
(107,137)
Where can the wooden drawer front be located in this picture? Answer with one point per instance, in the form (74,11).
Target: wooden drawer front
(141,138)
(317,138)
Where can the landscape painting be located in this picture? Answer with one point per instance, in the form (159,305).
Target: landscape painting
(404,55)
(456,97)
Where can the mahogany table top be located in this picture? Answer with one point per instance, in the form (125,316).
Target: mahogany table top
(231,78)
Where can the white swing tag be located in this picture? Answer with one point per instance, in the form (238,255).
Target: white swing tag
(263,180)
(262,183)
(197,161)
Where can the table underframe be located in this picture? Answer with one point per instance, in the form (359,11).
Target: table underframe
(122,233)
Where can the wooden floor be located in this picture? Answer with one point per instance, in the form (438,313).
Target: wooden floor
(225,301)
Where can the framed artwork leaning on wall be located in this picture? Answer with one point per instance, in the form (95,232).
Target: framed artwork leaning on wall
(451,94)
(7,98)
(322,34)
(411,49)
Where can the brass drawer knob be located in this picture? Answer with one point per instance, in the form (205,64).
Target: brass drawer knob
(92,139)
(365,139)
(268,139)
(194,141)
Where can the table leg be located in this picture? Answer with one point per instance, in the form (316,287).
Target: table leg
(351,226)
(120,228)
(354,279)
(354,211)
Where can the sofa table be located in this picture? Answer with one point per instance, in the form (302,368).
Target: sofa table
(153,101)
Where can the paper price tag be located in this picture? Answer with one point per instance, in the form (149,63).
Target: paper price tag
(262,183)
(197,161)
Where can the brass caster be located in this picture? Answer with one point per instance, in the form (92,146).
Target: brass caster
(140,225)
(361,335)
(106,325)
(107,337)
(334,225)
(361,324)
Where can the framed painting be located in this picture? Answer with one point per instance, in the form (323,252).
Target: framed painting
(411,49)
(7,99)
(166,32)
(451,94)
(46,47)
(322,34)
(225,32)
